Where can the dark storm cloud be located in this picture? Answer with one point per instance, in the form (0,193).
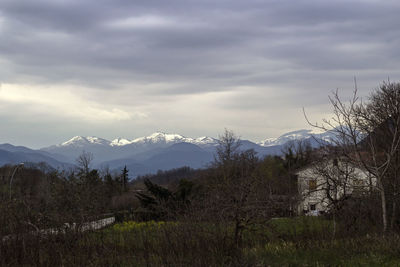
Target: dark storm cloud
(256,54)
(200,40)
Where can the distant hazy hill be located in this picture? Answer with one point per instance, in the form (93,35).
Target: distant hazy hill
(10,154)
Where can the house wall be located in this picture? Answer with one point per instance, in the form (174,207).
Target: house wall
(355,181)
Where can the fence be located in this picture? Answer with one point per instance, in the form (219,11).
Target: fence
(94,225)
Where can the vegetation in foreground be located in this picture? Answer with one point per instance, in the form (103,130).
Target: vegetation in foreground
(304,241)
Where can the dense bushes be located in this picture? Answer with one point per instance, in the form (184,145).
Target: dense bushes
(360,216)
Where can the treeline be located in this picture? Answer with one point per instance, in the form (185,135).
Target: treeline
(167,177)
(35,199)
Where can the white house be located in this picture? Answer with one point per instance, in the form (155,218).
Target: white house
(323,184)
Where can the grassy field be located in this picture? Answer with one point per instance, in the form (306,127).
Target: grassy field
(304,241)
(280,242)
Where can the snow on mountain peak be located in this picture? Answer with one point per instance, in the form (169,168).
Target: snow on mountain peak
(297,135)
(174,137)
(97,140)
(166,136)
(290,136)
(155,138)
(81,141)
(268,142)
(160,137)
(205,140)
(120,142)
(73,140)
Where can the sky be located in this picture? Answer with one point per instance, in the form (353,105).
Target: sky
(124,68)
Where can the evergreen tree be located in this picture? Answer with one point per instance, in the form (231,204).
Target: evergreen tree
(125,179)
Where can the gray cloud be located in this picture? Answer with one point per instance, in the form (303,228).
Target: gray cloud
(146,56)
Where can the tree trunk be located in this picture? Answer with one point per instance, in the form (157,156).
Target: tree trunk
(334,225)
(384,211)
(238,232)
(393,213)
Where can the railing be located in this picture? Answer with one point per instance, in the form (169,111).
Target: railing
(94,225)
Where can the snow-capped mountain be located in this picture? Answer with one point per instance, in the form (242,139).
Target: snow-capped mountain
(161,138)
(103,149)
(121,147)
(80,141)
(157,138)
(298,135)
(149,153)
(120,142)
(165,150)
(205,141)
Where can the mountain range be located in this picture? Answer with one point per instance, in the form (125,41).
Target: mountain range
(158,151)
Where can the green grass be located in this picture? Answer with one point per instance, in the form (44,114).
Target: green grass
(300,225)
(280,242)
(298,228)
(307,241)
(345,252)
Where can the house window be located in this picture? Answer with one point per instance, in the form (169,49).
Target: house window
(358,183)
(313,207)
(358,187)
(312,184)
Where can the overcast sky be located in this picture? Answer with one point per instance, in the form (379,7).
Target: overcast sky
(124,68)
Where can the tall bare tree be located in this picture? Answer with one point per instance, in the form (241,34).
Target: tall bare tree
(337,181)
(83,161)
(237,188)
(368,136)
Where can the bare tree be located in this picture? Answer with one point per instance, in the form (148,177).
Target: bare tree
(83,161)
(235,190)
(297,153)
(336,181)
(368,135)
